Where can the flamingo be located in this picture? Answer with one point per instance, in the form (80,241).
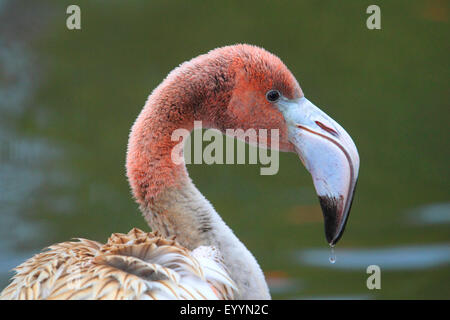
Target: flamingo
(192,253)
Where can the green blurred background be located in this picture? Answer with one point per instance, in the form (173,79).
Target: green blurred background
(69,98)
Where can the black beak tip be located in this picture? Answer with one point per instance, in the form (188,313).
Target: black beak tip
(332,214)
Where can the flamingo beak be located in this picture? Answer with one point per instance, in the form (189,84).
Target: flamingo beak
(331,157)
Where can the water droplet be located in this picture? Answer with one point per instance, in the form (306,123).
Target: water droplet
(332,258)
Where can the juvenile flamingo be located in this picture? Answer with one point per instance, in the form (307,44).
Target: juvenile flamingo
(192,253)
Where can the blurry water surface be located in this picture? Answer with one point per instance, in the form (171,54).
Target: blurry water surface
(69,98)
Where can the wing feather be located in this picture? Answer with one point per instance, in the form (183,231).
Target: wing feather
(137,265)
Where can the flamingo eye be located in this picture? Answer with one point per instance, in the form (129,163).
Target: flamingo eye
(273,95)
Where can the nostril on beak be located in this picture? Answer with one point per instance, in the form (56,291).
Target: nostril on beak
(327,129)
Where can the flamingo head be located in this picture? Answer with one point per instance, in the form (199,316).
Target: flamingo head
(266,95)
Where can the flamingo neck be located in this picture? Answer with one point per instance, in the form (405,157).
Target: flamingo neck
(168,199)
